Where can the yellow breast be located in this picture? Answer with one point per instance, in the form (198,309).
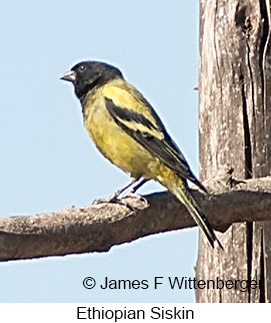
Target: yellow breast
(115,144)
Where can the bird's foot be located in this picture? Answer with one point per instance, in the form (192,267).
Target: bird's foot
(123,199)
(114,198)
(133,201)
(133,195)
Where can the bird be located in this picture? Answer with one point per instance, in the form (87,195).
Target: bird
(128,132)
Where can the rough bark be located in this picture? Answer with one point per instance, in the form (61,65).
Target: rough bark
(99,227)
(235,129)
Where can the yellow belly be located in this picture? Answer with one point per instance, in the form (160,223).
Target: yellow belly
(115,144)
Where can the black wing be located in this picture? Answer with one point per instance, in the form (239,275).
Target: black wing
(161,145)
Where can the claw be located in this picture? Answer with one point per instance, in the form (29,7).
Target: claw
(131,194)
(114,198)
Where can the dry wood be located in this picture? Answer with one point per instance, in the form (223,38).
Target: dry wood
(99,227)
(235,130)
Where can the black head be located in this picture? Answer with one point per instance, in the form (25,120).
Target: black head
(86,75)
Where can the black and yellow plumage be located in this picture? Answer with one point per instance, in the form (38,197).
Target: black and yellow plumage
(127,131)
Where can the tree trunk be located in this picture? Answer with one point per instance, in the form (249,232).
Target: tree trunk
(235,131)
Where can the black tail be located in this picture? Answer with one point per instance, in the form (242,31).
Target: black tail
(183,194)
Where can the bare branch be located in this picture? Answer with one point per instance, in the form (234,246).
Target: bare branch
(99,227)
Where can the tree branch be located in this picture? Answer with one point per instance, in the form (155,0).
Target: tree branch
(99,227)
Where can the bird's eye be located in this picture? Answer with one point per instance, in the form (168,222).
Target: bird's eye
(82,68)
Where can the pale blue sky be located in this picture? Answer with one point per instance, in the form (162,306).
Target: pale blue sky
(49,163)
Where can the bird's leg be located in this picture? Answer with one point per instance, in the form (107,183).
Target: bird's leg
(113,198)
(141,182)
(131,193)
(132,181)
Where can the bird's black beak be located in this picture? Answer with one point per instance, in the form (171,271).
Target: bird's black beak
(69,76)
